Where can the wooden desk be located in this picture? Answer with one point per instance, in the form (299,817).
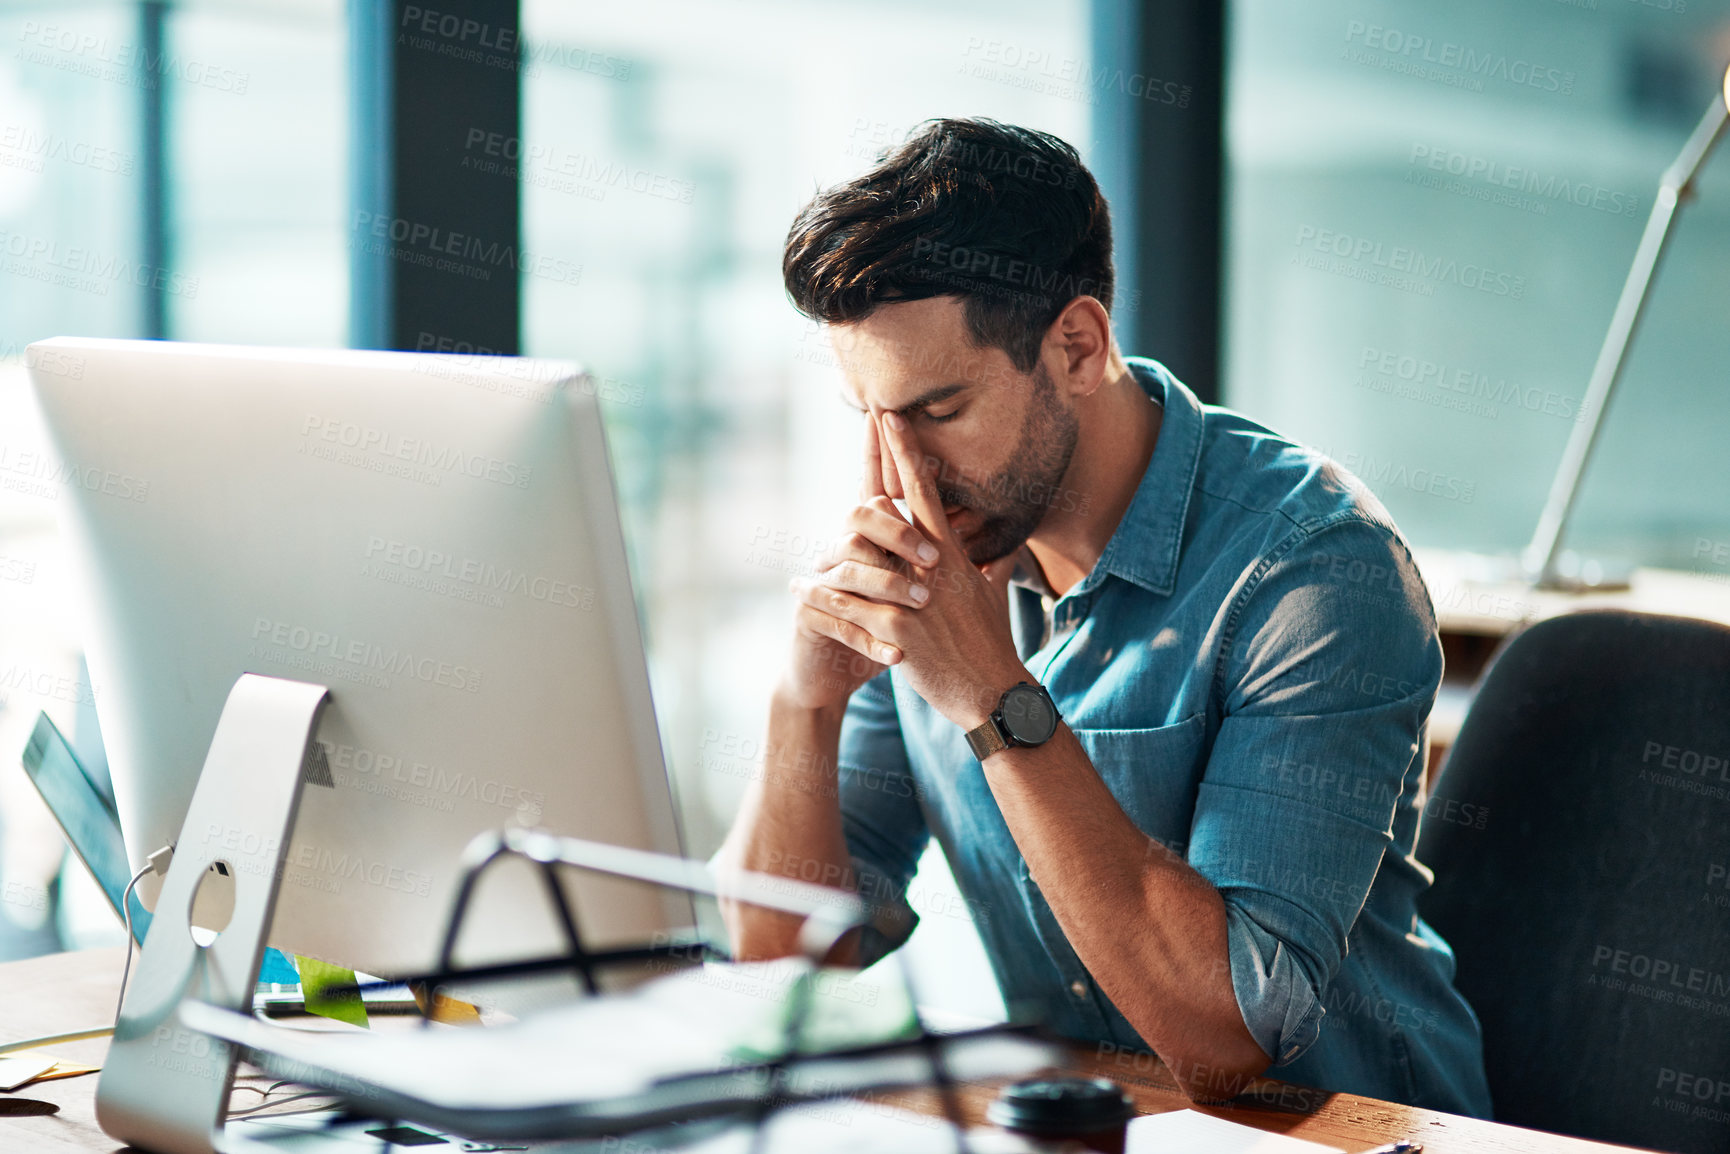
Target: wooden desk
(1480,600)
(1345,1121)
(57,994)
(1482,595)
(65,992)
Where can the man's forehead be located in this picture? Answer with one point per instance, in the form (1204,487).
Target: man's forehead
(902,351)
(893,381)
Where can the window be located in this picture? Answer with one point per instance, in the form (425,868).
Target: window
(253,150)
(257,188)
(1432,211)
(667,148)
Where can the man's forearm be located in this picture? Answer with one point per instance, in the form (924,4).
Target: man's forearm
(1149,929)
(789,824)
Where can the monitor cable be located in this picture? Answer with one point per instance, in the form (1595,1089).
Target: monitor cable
(157,862)
(166,854)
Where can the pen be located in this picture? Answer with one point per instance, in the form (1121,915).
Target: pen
(1400,1146)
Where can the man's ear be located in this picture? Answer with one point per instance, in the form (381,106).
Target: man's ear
(1078,347)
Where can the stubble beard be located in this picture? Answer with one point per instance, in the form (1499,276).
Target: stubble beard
(1017,498)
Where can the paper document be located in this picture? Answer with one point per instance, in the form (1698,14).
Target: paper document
(687,1045)
(19,1069)
(1187,1132)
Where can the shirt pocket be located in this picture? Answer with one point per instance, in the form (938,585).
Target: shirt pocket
(1153,773)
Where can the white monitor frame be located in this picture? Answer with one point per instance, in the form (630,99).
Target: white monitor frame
(436,538)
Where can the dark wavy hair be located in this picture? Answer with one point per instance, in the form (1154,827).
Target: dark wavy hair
(1007,219)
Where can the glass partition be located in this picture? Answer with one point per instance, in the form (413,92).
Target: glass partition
(666,147)
(1432,210)
(248,248)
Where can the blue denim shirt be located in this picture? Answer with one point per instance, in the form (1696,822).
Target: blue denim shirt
(1249,666)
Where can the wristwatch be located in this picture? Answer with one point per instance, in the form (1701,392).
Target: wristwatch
(1025,715)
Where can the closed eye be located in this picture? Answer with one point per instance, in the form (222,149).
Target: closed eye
(939,418)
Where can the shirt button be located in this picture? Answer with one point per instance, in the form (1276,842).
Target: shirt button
(1079,989)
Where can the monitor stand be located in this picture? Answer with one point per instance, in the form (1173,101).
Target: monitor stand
(165,1087)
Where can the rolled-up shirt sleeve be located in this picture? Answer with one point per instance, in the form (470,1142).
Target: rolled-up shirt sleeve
(1329,669)
(881,816)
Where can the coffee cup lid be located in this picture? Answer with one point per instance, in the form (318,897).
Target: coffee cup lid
(1061,1106)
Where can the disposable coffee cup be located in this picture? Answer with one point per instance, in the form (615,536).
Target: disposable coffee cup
(1092,1111)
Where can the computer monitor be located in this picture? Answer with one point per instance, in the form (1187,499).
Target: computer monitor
(436,539)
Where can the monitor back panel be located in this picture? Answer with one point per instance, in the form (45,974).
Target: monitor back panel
(433,538)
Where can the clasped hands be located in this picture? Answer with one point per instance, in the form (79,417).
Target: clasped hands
(896,591)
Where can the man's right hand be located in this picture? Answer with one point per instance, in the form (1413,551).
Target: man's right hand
(882,557)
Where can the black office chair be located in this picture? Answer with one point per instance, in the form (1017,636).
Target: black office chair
(1580,835)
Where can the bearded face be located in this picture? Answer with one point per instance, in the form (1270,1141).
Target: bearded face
(995,514)
(1002,439)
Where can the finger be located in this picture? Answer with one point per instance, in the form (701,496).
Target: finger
(816,623)
(999,572)
(891,479)
(855,613)
(871,478)
(877,583)
(876,618)
(921,489)
(881,524)
(854,547)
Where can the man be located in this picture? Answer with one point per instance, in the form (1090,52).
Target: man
(1155,677)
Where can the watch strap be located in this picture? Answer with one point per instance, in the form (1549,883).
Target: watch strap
(987,739)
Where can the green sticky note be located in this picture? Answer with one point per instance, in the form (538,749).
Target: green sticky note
(315,978)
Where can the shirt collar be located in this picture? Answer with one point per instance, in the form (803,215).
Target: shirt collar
(1145,547)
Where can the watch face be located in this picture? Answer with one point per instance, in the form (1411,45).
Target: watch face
(1028,715)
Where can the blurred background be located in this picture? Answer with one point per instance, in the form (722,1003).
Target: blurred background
(1392,229)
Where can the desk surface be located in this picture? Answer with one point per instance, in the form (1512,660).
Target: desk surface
(65,992)
(1478,594)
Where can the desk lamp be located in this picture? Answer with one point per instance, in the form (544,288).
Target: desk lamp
(1544,552)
